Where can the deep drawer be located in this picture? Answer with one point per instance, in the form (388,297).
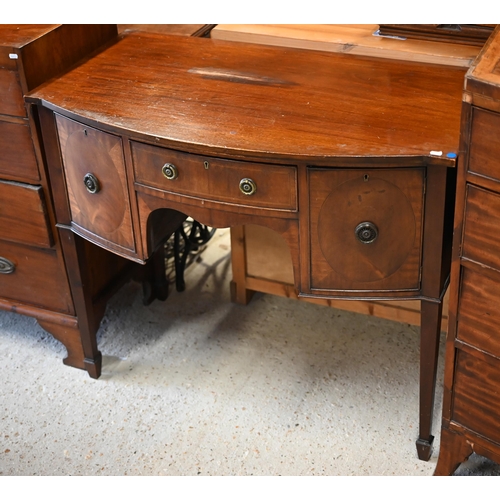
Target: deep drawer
(376,243)
(17,156)
(485,144)
(23,215)
(482,219)
(96,181)
(479,315)
(476,402)
(34,276)
(217,179)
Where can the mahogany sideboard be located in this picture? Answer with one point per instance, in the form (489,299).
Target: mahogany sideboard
(351,159)
(471,405)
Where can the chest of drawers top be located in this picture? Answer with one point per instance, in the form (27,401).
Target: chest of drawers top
(233,99)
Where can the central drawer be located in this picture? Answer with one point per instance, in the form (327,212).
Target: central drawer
(241,183)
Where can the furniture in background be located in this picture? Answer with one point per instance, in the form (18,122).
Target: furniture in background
(471,407)
(33,275)
(240,134)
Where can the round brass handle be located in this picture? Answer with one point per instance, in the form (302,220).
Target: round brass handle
(248,186)
(6,266)
(91,183)
(366,232)
(170,171)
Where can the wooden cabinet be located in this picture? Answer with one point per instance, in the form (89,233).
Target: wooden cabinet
(471,410)
(33,277)
(240,134)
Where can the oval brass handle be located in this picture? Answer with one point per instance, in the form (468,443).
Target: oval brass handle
(366,232)
(91,183)
(248,186)
(6,266)
(170,171)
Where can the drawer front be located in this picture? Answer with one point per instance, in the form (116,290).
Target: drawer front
(376,243)
(23,215)
(484,154)
(17,157)
(96,181)
(479,314)
(476,401)
(11,94)
(217,179)
(482,218)
(34,276)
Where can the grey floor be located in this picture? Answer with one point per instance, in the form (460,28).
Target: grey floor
(197,385)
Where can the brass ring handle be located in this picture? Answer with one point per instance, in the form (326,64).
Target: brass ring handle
(366,232)
(170,171)
(91,183)
(6,266)
(248,186)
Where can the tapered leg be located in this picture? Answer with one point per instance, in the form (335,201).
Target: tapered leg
(454,449)
(88,315)
(430,331)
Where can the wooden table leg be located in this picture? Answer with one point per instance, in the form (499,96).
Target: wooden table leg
(88,315)
(430,331)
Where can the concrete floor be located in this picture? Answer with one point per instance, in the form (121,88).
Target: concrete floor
(197,385)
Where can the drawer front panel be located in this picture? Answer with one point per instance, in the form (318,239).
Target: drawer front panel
(17,157)
(476,403)
(23,216)
(37,277)
(485,143)
(216,179)
(96,181)
(479,314)
(11,94)
(376,243)
(482,220)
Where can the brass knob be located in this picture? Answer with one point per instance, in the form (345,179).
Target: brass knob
(248,186)
(170,171)
(91,183)
(6,266)
(366,232)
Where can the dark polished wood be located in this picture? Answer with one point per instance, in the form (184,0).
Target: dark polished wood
(309,144)
(471,408)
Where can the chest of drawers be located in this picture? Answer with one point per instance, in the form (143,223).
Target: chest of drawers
(33,275)
(471,410)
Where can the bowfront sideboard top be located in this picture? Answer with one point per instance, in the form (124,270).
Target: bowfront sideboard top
(242,99)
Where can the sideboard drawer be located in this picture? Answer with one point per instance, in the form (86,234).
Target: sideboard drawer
(485,144)
(482,219)
(376,243)
(476,402)
(34,276)
(94,168)
(23,215)
(11,95)
(267,186)
(17,155)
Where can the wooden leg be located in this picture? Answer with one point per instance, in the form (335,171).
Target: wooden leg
(454,449)
(430,331)
(87,314)
(239,293)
